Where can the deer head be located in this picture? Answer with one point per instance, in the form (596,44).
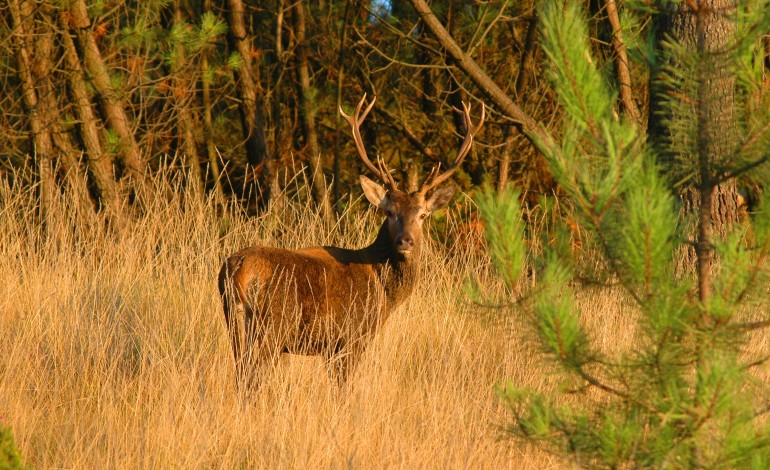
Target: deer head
(405,211)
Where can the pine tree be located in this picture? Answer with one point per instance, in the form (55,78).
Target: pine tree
(685,395)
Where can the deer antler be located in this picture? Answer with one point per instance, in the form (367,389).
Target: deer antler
(355,122)
(434,177)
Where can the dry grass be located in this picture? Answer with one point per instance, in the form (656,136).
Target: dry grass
(113,352)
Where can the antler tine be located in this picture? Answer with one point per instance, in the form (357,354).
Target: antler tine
(427,184)
(434,178)
(355,122)
(385,172)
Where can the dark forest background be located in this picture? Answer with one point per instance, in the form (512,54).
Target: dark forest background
(97,96)
(243,95)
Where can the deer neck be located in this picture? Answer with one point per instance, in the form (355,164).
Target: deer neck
(398,272)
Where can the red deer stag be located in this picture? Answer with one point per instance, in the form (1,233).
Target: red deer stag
(327,300)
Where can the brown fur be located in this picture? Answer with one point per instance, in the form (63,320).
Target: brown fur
(324,300)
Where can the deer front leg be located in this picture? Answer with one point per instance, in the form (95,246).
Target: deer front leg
(341,367)
(343,360)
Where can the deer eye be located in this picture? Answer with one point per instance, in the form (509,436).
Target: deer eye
(423,216)
(389,213)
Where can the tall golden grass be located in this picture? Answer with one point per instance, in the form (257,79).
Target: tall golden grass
(114,353)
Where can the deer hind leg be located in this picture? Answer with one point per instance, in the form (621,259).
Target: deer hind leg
(256,346)
(237,316)
(266,350)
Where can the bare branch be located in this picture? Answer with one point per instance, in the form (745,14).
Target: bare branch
(621,62)
(410,136)
(537,134)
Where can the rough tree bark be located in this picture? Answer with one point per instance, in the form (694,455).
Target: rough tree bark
(51,110)
(704,28)
(97,70)
(22,15)
(100,162)
(249,105)
(715,205)
(279,70)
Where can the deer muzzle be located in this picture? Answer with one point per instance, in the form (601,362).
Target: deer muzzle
(405,243)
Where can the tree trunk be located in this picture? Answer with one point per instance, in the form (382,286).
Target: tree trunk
(336,189)
(208,128)
(183,95)
(74,174)
(249,106)
(23,29)
(704,30)
(100,163)
(75,178)
(113,108)
(714,205)
(308,105)
(522,82)
(50,111)
(473,167)
(277,105)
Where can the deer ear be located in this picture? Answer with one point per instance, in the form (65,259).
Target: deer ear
(440,198)
(374,192)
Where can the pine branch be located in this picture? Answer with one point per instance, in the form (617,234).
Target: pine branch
(752,326)
(762,411)
(745,168)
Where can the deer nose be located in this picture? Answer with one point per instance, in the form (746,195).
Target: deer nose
(405,243)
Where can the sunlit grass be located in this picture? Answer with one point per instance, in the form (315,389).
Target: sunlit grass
(114,353)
